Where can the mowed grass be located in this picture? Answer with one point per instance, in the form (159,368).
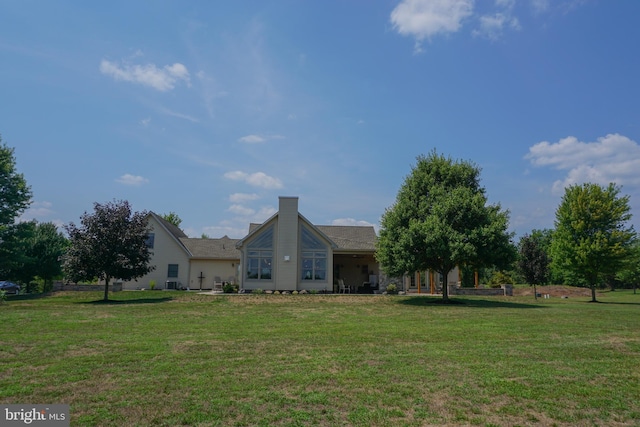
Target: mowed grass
(176,358)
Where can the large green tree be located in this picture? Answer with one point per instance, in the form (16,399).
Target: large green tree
(592,239)
(533,262)
(15,258)
(441,219)
(15,194)
(47,249)
(629,274)
(30,250)
(109,244)
(172,218)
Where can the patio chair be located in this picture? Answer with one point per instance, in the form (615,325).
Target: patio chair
(217,284)
(343,288)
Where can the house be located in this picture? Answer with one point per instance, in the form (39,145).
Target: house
(186,263)
(286,252)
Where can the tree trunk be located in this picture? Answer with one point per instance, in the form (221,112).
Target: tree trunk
(106,288)
(593,293)
(535,291)
(445,286)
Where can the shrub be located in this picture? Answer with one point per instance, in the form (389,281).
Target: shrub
(3,295)
(229,288)
(152,284)
(392,289)
(276,293)
(257,291)
(313,291)
(294,293)
(500,278)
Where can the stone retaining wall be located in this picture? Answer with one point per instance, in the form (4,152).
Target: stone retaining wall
(114,287)
(502,290)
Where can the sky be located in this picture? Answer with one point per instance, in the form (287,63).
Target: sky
(213,109)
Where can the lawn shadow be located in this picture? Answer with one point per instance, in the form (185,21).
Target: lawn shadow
(464,302)
(26,297)
(129,301)
(617,302)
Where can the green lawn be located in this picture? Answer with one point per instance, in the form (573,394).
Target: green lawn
(176,358)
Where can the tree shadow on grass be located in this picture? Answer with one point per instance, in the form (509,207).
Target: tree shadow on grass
(616,302)
(464,302)
(26,297)
(129,301)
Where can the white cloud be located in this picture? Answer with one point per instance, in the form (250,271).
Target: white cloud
(423,19)
(492,26)
(241,210)
(172,113)
(257,139)
(243,197)
(612,158)
(540,6)
(37,210)
(257,179)
(252,139)
(145,122)
(133,180)
(162,79)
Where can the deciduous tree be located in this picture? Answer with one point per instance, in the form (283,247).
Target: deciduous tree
(172,218)
(441,219)
(592,239)
(15,194)
(109,244)
(629,273)
(533,262)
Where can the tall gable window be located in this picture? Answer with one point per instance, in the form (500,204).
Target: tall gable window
(314,256)
(150,240)
(260,256)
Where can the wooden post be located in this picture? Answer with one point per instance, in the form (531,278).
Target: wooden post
(475,278)
(418,280)
(433,287)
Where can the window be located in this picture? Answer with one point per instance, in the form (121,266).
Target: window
(260,256)
(259,265)
(150,240)
(172,271)
(314,256)
(314,266)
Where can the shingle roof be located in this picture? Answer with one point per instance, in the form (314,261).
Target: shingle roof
(223,248)
(349,237)
(177,233)
(346,237)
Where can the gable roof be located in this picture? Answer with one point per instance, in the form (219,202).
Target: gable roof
(223,248)
(173,231)
(345,237)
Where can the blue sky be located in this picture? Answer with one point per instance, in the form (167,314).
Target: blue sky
(214,109)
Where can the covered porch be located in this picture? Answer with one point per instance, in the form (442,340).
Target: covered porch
(358,271)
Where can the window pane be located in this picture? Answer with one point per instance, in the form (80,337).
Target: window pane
(172,270)
(264,240)
(309,240)
(150,240)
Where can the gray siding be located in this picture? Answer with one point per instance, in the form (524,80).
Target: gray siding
(286,253)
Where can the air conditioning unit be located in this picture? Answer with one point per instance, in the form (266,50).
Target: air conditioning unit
(171,285)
